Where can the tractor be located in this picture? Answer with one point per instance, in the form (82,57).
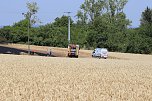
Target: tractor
(73,50)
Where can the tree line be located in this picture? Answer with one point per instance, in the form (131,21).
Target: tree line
(100,23)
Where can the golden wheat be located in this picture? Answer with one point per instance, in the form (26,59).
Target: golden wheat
(36,78)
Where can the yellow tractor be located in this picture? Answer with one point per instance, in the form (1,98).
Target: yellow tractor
(73,50)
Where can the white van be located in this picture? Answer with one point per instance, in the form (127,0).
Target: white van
(100,52)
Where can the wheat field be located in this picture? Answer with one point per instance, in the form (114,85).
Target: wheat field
(34,78)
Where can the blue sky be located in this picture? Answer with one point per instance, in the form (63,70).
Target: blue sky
(11,10)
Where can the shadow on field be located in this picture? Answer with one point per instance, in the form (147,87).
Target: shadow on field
(9,50)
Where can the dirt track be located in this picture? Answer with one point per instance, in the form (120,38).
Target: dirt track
(56,51)
(62,52)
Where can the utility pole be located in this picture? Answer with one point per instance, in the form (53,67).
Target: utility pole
(68,25)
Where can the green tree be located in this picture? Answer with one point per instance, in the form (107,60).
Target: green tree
(53,34)
(138,43)
(62,22)
(31,17)
(146,22)
(146,17)
(89,10)
(5,34)
(31,13)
